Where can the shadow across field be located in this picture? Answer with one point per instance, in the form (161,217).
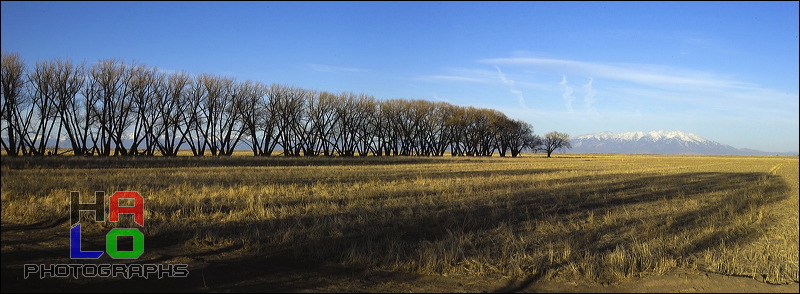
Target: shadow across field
(280,253)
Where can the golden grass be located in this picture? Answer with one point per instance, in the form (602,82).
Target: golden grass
(605,218)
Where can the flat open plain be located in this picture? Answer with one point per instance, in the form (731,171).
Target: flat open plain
(574,222)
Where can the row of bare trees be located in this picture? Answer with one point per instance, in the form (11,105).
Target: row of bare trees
(114,108)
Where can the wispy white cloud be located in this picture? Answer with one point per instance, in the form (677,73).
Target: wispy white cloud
(649,96)
(463,75)
(448,78)
(486,77)
(652,75)
(334,69)
(567,95)
(589,97)
(512,87)
(647,82)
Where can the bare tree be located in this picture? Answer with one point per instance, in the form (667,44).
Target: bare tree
(326,121)
(194,119)
(503,129)
(423,113)
(535,143)
(13,101)
(307,140)
(269,120)
(72,109)
(45,107)
(221,105)
(554,141)
(173,104)
(441,131)
(346,132)
(457,125)
(520,137)
(320,123)
(409,117)
(107,92)
(211,110)
(289,109)
(230,126)
(390,126)
(479,135)
(256,118)
(365,110)
(146,85)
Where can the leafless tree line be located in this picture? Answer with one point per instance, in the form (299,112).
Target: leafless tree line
(114,108)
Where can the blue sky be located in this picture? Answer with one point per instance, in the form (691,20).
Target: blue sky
(727,71)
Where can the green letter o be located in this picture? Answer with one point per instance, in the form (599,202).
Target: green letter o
(138,243)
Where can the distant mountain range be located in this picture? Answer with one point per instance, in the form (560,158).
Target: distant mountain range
(660,142)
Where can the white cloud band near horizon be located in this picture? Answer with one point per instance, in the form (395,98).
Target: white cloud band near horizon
(669,83)
(453,78)
(651,75)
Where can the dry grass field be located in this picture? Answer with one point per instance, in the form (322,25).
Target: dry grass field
(605,219)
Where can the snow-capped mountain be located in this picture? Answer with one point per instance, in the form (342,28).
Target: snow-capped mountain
(660,142)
